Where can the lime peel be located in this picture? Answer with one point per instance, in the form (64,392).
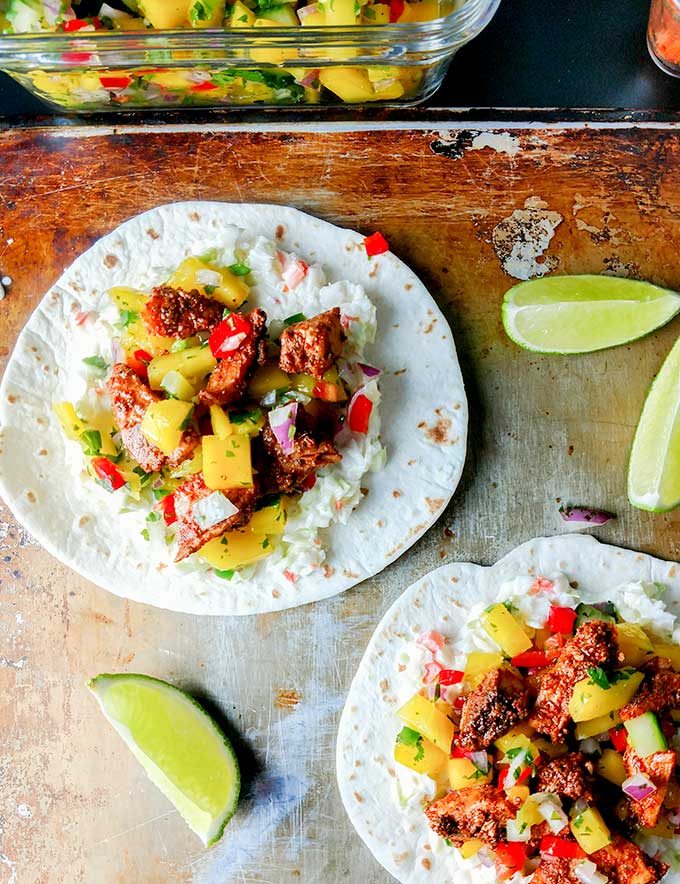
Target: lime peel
(583,313)
(654,466)
(181,748)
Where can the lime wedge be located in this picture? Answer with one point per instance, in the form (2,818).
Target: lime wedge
(654,468)
(579,314)
(178,744)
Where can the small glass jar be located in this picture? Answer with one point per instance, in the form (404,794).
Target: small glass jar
(663,35)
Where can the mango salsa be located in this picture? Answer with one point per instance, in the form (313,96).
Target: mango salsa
(635,644)
(595,726)
(478,664)
(592,700)
(226,462)
(194,364)
(670,652)
(236,549)
(610,766)
(164,422)
(126,298)
(95,438)
(505,630)
(229,289)
(463,774)
(415,752)
(423,716)
(270,519)
(221,425)
(266,379)
(164,13)
(471,848)
(590,830)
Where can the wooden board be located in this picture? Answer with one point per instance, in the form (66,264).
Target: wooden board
(74,806)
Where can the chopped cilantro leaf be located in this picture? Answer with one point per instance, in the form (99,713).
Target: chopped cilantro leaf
(225,575)
(178,346)
(91,440)
(209,289)
(296,317)
(96,362)
(239,269)
(127,317)
(145,534)
(598,676)
(160,493)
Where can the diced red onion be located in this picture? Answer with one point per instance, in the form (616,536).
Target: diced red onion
(309,78)
(117,352)
(550,808)
(590,746)
(485,858)
(580,805)
(293,273)
(282,421)
(369,370)
(207,276)
(430,690)
(480,761)
(431,640)
(674,817)
(307,10)
(585,514)
(432,671)
(213,509)
(638,787)
(587,873)
(517,833)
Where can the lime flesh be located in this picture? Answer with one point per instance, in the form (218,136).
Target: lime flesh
(181,748)
(579,314)
(654,467)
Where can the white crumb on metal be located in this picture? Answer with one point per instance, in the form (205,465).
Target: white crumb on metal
(6,280)
(522,238)
(23,810)
(13,664)
(501,142)
(10,241)
(2,291)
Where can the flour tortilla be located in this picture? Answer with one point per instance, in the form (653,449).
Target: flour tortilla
(423,410)
(400,840)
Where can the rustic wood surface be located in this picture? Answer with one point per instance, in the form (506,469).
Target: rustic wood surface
(74,806)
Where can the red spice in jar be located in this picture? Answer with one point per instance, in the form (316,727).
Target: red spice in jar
(663,35)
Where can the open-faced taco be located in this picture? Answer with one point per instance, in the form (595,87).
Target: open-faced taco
(229,409)
(521,722)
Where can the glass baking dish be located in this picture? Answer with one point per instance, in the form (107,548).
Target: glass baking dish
(390,65)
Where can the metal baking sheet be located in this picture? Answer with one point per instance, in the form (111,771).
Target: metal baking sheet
(471,209)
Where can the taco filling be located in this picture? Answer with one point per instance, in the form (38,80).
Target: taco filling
(217,418)
(551,739)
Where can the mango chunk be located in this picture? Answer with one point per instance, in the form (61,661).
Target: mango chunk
(164,422)
(194,364)
(226,462)
(590,830)
(505,630)
(463,774)
(236,549)
(415,752)
(424,717)
(592,700)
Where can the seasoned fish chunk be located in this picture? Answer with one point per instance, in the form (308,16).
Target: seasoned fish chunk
(624,863)
(556,871)
(229,379)
(569,776)
(174,313)
(659,692)
(479,812)
(659,768)
(312,346)
(497,704)
(190,536)
(130,398)
(593,645)
(290,472)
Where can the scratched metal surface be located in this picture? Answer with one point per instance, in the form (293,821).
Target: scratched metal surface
(466,209)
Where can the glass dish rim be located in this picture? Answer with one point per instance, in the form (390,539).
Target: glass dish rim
(457,27)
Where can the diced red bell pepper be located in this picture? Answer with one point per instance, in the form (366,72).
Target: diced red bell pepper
(206,86)
(328,392)
(561,619)
(457,752)
(561,848)
(531,660)
(510,858)
(502,776)
(524,775)
(360,413)
(167,506)
(75,24)
(432,671)
(376,244)
(229,335)
(619,737)
(459,702)
(139,362)
(108,472)
(115,82)
(450,676)
(396,10)
(77,57)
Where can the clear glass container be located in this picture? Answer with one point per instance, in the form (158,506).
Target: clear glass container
(391,64)
(663,35)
